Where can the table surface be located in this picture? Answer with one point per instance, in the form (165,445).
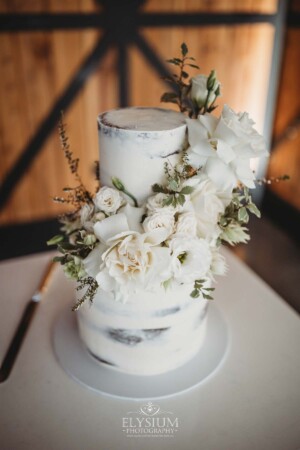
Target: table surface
(251,402)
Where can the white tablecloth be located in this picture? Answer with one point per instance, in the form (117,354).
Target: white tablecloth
(252,402)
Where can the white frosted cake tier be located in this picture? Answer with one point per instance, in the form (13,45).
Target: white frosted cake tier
(153,332)
(135,142)
(150,334)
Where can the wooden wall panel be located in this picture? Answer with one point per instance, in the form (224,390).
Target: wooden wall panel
(22,6)
(241,56)
(35,68)
(285,157)
(260,6)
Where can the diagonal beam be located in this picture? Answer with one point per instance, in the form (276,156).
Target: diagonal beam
(35,144)
(149,53)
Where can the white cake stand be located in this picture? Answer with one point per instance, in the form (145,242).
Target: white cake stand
(86,370)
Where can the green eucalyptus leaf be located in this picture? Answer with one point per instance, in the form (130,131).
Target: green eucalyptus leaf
(167,96)
(187,190)
(158,188)
(243,216)
(184,49)
(254,209)
(195,293)
(173,185)
(55,239)
(181,199)
(194,66)
(168,201)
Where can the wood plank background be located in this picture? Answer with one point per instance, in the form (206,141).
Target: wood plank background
(285,157)
(35,68)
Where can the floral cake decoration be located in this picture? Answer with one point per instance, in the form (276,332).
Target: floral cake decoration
(110,242)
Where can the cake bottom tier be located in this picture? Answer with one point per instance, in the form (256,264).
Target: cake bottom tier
(144,337)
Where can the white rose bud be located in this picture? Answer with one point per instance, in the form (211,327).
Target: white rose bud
(98,217)
(199,89)
(108,200)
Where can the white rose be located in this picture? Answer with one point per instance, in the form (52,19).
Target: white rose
(132,260)
(199,91)
(208,206)
(133,264)
(224,146)
(155,203)
(191,258)
(187,224)
(108,200)
(161,219)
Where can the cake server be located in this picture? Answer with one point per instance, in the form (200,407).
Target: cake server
(27,316)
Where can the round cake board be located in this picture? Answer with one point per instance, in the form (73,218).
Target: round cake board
(80,365)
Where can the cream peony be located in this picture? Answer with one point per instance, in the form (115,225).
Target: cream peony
(191,258)
(224,146)
(108,200)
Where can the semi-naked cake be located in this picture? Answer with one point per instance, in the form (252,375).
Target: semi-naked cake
(153,331)
(145,248)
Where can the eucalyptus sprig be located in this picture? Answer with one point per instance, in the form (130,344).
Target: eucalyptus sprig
(181,87)
(201,291)
(236,215)
(175,193)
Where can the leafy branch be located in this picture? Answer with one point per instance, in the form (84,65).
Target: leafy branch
(178,81)
(236,215)
(175,193)
(272,180)
(92,286)
(201,291)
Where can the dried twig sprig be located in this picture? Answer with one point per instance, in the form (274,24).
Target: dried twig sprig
(272,180)
(91,285)
(78,195)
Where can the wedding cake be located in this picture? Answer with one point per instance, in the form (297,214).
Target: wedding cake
(144,249)
(152,332)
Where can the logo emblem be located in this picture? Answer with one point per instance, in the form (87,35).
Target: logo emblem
(150,409)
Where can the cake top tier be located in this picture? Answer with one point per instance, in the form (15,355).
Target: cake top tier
(142,119)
